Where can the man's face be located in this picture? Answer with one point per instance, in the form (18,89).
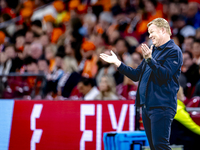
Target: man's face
(36,51)
(19,41)
(10,52)
(29,37)
(149,7)
(43,66)
(113,36)
(196,49)
(136,59)
(83,89)
(44,39)
(192,9)
(187,61)
(32,68)
(120,47)
(155,34)
(58,61)
(188,44)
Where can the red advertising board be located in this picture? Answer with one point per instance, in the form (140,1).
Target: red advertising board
(71,125)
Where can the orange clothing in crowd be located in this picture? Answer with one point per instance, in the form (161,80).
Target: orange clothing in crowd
(26,12)
(73,4)
(81,9)
(59,6)
(51,64)
(99,29)
(57,32)
(2,37)
(90,68)
(142,26)
(88,46)
(105,3)
(49,18)
(29,4)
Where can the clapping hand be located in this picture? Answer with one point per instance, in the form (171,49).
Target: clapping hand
(110,58)
(146,52)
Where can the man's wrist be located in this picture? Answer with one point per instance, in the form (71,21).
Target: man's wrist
(118,63)
(148,59)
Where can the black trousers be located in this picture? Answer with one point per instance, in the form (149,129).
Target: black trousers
(157,123)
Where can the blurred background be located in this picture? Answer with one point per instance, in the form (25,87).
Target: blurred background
(45,45)
(49,50)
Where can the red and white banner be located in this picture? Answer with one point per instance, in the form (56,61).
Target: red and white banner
(71,125)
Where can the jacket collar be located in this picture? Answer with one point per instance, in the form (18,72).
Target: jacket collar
(169,44)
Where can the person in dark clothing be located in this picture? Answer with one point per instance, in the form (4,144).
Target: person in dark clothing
(13,63)
(158,82)
(197,87)
(70,78)
(191,71)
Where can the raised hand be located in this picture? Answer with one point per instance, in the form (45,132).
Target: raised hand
(146,51)
(111,58)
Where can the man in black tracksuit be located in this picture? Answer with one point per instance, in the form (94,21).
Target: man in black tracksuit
(158,82)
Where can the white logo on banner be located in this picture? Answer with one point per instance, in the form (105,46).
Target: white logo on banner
(86,110)
(89,110)
(99,127)
(122,117)
(37,133)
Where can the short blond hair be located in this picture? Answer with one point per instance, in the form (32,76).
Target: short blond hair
(161,23)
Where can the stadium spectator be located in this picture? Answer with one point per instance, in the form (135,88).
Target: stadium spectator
(87,88)
(136,58)
(70,77)
(197,36)
(191,71)
(31,65)
(189,68)
(107,89)
(55,75)
(89,22)
(128,88)
(88,52)
(29,36)
(181,28)
(193,15)
(36,50)
(50,52)
(43,65)
(36,26)
(151,11)
(122,49)
(187,44)
(12,63)
(44,39)
(196,51)
(105,20)
(197,87)
(106,69)
(113,36)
